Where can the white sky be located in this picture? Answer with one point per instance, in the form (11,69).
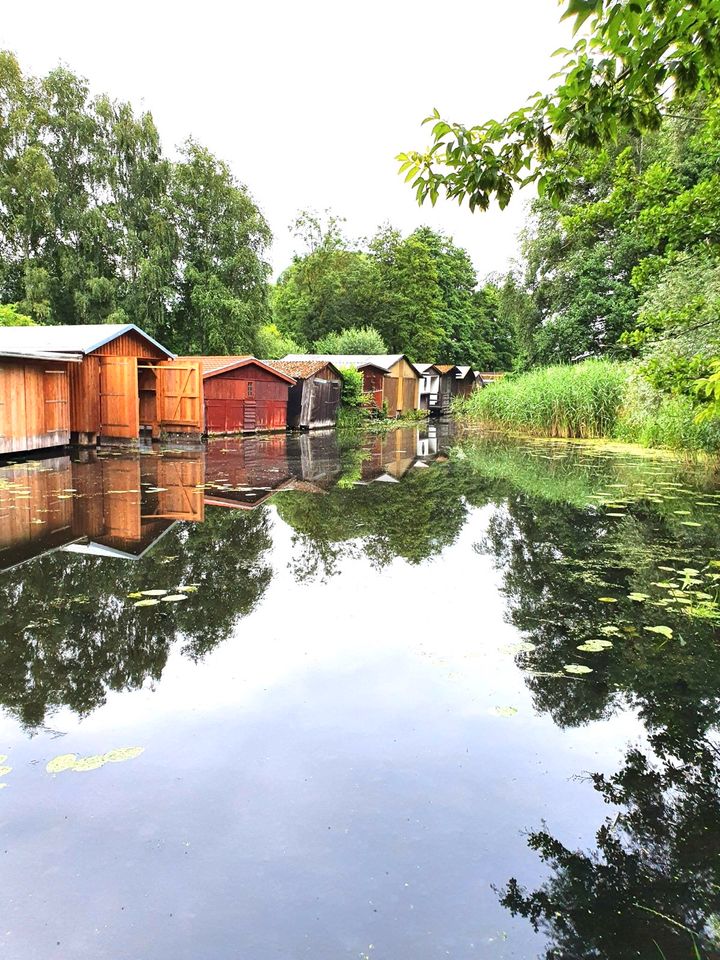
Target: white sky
(309,102)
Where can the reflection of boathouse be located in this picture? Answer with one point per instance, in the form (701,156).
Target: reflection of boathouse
(114,506)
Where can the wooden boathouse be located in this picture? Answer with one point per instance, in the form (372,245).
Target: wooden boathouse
(314,400)
(241,394)
(398,387)
(34,399)
(123,384)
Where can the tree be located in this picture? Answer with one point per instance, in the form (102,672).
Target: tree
(222,276)
(635,61)
(270,344)
(354,340)
(11,317)
(96,225)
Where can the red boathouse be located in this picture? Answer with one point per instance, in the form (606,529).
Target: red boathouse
(242,395)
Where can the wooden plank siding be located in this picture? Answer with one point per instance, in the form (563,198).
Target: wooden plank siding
(34,405)
(245,399)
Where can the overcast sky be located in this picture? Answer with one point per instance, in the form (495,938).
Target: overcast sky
(309,101)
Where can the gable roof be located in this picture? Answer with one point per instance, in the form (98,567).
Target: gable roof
(424,368)
(80,338)
(210,366)
(383,361)
(445,367)
(301,369)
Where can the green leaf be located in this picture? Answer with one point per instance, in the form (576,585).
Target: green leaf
(663,631)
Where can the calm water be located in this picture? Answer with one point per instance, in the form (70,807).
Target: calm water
(415,696)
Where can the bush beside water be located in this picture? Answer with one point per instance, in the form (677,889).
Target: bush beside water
(590,400)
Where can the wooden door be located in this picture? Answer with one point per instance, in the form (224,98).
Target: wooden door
(119,398)
(180,396)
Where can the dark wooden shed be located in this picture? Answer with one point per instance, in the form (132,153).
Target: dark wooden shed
(241,395)
(314,400)
(125,385)
(34,400)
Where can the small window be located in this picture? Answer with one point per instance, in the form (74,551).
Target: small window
(250,388)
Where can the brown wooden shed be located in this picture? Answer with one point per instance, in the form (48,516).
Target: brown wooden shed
(400,379)
(34,400)
(126,384)
(241,394)
(314,400)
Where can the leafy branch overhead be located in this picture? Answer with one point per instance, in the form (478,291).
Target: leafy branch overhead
(631,61)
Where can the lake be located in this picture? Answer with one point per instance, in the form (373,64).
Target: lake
(419,694)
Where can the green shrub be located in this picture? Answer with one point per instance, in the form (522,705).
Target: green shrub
(364,340)
(352,394)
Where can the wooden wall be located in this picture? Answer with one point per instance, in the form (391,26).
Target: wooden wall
(34,405)
(244,400)
(130,344)
(405,394)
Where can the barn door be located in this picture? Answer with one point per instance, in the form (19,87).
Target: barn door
(119,398)
(180,396)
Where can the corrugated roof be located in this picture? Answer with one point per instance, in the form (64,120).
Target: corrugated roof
(212,365)
(381,360)
(300,369)
(80,338)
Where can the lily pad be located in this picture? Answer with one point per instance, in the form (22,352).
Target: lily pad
(147,602)
(638,597)
(174,597)
(66,761)
(153,593)
(663,631)
(122,754)
(88,763)
(576,668)
(4,770)
(506,711)
(607,599)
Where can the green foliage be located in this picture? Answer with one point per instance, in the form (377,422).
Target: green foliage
(353,340)
(352,388)
(620,78)
(96,225)
(418,292)
(11,317)
(270,344)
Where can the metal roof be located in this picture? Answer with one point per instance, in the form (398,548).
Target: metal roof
(40,355)
(384,361)
(211,366)
(301,369)
(80,338)
(424,368)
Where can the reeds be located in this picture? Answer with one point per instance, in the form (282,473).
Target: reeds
(580,401)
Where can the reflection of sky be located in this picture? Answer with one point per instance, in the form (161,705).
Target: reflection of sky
(335,781)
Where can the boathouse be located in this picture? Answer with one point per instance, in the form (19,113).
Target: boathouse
(241,394)
(314,400)
(34,399)
(123,383)
(398,384)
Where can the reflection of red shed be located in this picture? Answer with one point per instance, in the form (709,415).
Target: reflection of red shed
(242,394)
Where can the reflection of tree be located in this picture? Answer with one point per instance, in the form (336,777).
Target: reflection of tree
(652,887)
(557,562)
(71,633)
(653,881)
(414,519)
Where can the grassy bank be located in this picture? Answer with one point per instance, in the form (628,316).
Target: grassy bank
(590,400)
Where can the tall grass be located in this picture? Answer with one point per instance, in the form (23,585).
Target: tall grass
(582,401)
(594,399)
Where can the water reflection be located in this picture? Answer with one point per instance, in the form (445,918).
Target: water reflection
(361,714)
